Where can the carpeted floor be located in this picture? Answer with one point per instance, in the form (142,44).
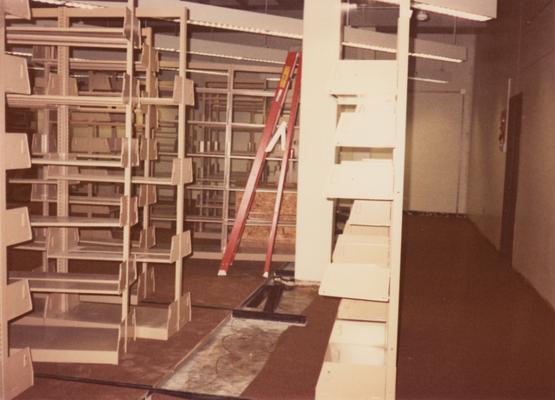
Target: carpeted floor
(471,328)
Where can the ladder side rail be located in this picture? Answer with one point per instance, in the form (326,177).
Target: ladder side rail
(258,163)
(284,166)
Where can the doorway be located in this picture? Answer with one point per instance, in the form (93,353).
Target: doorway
(511,176)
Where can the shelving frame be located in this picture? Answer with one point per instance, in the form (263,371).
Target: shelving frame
(71,299)
(16,370)
(240,89)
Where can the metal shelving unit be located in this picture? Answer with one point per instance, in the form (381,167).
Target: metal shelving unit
(94,161)
(227,125)
(16,370)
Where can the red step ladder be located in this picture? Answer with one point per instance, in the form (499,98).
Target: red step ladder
(291,69)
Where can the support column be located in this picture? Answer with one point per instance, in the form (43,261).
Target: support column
(321,50)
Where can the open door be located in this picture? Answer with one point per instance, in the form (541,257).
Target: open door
(511,176)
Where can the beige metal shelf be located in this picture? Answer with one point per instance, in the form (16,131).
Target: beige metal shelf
(84,315)
(68,344)
(113,252)
(77,162)
(219,124)
(75,37)
(49,282)
(40,101)
(250,222)
(237,92)
(234,189)
(77,178)
(152,322)
(235,156)
(46,221)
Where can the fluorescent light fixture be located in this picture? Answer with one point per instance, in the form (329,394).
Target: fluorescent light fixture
(19,53)
(348,6)
(431,77)
(452,12)
(233,57)
(394,51)
(387,43)
(436,57)
(75,4)
(427,80)
(475,10)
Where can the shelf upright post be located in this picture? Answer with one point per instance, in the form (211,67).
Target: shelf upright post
(62,186)
(45,131)
(150,82)
(228,138)
(128,167)
(181,137)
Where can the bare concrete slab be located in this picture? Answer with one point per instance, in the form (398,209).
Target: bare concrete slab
(230,360)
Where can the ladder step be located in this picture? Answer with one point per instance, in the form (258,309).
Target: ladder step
(366,179)
(356,281)
(359,77)
(351,382)
(372,127)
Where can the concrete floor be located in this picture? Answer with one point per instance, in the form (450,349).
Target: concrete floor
(234,355)
(471,328)
(230,361)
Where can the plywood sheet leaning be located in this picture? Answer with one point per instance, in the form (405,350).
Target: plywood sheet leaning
(257,230)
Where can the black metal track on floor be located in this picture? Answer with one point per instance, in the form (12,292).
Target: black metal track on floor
(256,297)
(269,292)
(269,316)
(285,272)
(148,388)
(212,307)
(273,298)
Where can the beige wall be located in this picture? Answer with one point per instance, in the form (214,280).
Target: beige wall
(534,242)
(438,134)
(496,62)
(519,46)
(434,152)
